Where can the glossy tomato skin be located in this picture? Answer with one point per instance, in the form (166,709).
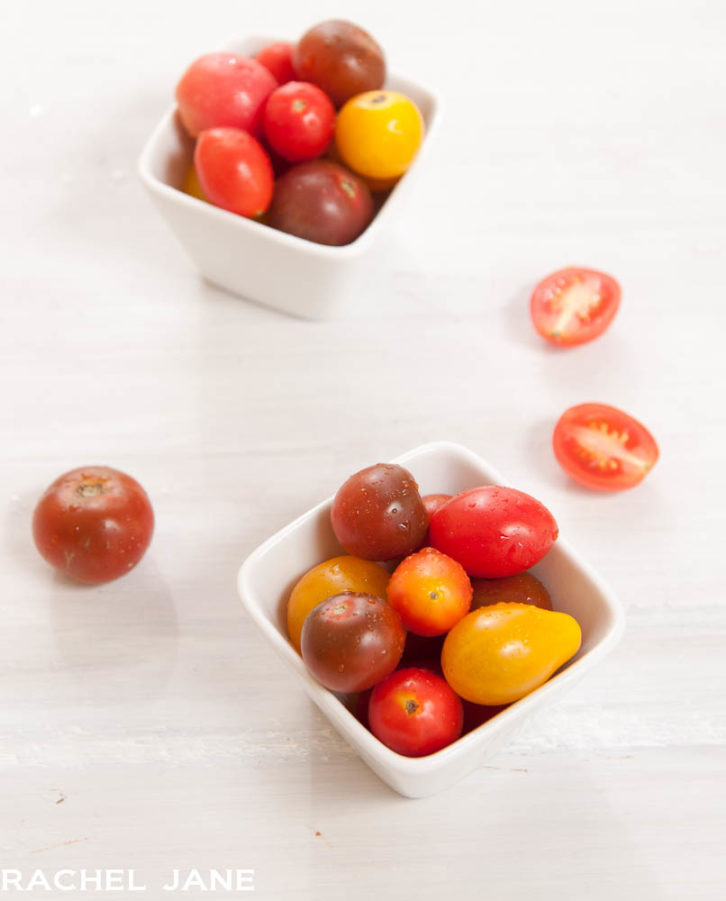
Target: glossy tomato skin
(277,59)
(234,171)
(574,305)
(322,202)
(224,89)
(493,531)
(94,524)
(523,588)
(603,448)
(331,577)
(299,121)
(431,591)
(496,655)
(340,58)
(378,134)
(351,641)
(378,513)
(414,712)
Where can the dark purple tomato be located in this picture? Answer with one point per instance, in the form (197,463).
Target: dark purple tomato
(322,202)
(340,58)
(378,513)
(523,588)
(351,641)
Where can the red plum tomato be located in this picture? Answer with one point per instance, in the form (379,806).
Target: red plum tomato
(94,524)
(341,58)
(493,531)
(224,89)
(277,59)
(574,305)
(378,513)
(431,591)
(414,712)
(234,171)
(603,448)
(321,201)
(351,641)
(299,121)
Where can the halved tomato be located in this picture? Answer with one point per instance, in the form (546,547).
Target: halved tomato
(603,448)
(574,305)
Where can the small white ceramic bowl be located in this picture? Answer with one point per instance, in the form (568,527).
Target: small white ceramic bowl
(269,573)
(313,281)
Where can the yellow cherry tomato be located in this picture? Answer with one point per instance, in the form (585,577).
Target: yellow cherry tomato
(192,186)
(379,133)
(498,654)
(342,573)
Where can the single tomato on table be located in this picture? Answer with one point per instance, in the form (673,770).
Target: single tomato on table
(94,524)
(431,592)
(603,448)
(414,712)
(574,305)
(493,531)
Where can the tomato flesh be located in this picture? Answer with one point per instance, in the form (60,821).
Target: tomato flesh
(603,448)
(574,305)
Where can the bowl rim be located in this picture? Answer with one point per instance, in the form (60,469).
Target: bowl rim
(336,711)
(249,226)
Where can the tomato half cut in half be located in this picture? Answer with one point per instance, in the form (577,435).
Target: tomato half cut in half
(603,448)
(574,305)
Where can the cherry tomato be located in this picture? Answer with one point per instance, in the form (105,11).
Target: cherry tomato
(234,171)
(431,592)
(378,134)
(277,59)
(432,502)
(94,524)
(603,448)
(476,715)
(351,641)
(498,654)
(414,712)
(223,89)
(524,588)
(191,185)
(378,513)
(299,121)
(493,531)
(574,305)
(329,578)
(322,202)
(340,58)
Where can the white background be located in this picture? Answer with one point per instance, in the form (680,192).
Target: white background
(145,723)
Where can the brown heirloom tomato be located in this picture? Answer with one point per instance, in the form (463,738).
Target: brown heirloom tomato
(523,588)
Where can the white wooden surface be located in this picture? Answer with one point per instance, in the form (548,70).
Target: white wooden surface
(144,724)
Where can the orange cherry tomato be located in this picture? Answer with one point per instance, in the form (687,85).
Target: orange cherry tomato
(523,588)
(499,654)
(574,305)
(431,592)
(603,448)
(328,578)
(192,186)
(378,134)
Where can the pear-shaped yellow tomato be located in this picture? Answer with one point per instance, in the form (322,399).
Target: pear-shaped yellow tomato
(377,134)
(192,186)
(344,573)
(498,654)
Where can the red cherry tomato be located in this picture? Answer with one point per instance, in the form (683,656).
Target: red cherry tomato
(222,89)
(574,305)
(277,59)
(603,448)
(414,712)
(431,592)
(234,171)
(432,502)
(93,524)
(493,531)
(299,121)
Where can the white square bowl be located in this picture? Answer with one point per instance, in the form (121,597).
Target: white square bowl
(313,281)
(269,573)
